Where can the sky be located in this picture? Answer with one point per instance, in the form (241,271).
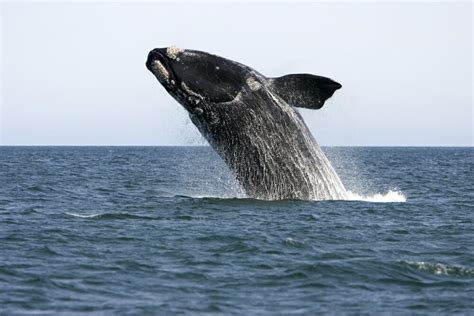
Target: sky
(74,73)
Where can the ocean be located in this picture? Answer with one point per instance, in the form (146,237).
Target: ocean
(165,230)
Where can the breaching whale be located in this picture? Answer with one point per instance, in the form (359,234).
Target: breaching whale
(251,122)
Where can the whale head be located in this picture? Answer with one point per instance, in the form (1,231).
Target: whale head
(194,77)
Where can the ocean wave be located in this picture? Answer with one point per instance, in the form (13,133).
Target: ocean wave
(293,242)
(440,268)
(108,216)
(390,197)
(83,215)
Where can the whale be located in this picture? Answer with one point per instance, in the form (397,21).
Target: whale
(252,122)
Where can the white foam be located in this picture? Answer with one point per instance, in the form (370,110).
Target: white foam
(390,197)
(83,215)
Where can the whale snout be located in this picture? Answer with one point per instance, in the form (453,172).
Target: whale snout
(166,55)
(162,62)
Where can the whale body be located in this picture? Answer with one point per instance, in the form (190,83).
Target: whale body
(251,122)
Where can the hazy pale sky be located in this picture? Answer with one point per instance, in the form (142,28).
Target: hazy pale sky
(74,73)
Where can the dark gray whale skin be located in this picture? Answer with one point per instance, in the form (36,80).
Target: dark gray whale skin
(250,121)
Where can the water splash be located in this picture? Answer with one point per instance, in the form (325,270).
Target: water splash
(390,197)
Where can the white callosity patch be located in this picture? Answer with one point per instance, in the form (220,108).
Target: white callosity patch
(188,90)
(253,84)
(159,69)
(173,51)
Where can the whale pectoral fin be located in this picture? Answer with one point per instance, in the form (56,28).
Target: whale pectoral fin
(304,90)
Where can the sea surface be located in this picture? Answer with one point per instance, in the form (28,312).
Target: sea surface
(165,230)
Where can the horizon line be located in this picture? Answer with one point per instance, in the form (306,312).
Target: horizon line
(207,145)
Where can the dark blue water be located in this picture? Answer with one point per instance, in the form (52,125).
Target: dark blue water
(163,230)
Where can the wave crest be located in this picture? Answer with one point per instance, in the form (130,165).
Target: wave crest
(440,268)
(108,216)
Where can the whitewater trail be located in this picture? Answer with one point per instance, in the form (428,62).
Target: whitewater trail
(390,197)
